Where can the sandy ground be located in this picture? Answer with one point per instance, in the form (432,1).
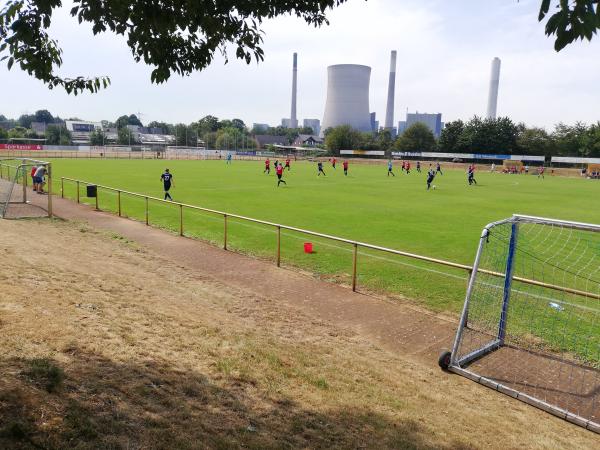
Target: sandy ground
(156,354)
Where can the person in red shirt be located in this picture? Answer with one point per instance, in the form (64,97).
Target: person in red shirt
(407,167)
(287,164)
(345,164)
(34,184)
(333,161)
(541,172)
(267,166)
(279,171)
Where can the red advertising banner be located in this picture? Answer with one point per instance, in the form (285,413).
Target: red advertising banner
(20,147)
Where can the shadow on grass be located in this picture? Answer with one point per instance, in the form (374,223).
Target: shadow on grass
(103,404)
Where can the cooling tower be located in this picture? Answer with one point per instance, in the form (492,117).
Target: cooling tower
(493,93)
(293,118)
(347,97)
(389,111)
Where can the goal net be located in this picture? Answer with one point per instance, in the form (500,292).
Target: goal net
(530,325)
(17,196)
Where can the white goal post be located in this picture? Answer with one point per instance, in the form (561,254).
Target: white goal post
(530,324)
(15,174)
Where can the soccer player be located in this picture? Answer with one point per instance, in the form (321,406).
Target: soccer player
(430,177)
(287,164)
(390,168)
(167,179)
(493,169)
(267,166)
(39,179)
(345,164)
(407,167)
(419,166)
(333,161)
(471,175)
(279,171)
(402,166)
(228,160)
(320,167)
(541,172)
(438,168)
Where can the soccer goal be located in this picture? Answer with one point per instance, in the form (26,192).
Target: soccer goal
(17,197)
(530,325)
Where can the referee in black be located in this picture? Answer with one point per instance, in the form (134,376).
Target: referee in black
(167,179)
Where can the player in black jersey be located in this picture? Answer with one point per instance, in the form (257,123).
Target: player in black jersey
(167,179)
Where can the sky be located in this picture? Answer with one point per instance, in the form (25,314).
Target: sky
(444,50)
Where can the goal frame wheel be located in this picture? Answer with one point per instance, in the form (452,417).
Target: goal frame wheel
(444,359)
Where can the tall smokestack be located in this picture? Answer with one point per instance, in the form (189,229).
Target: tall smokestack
(389,111)
(493,94)
(293,118)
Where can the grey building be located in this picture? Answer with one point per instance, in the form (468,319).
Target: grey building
(315,124)
(260,126)
(286,123)
(433,121)
(374,122)
(401,127)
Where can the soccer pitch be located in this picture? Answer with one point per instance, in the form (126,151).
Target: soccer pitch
(367,206)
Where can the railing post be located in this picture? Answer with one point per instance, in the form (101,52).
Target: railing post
(354,257)
(146,210)
(24,181)
(180,219)
(62,187)
(225,231)
(97,200)
(278,246)
(77,191)
(49,168)
(119,202)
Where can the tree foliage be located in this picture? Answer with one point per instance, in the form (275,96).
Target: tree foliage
(172,36)
(343,137)
(572,20)
(97,137)
(417,138)
(57,135)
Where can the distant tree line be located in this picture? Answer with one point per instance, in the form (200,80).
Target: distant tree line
(499,136)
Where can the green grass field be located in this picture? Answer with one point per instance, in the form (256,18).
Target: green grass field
(366,206)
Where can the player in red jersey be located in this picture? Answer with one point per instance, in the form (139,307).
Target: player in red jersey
(279,171)
(407,167)
(333,161)
(345,164)
(267,166)
(287,164)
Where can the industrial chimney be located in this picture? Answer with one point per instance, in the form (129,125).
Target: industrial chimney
(389,111)
(293,118)
(493,93)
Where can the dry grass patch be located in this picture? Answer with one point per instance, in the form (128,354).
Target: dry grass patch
(142,353)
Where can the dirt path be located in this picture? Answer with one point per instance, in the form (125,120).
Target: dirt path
(166,342)
(402,328)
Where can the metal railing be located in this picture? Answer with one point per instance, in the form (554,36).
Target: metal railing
(278,227)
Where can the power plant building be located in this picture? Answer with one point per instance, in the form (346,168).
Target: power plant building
(315,124)
(347,97)
(433,122)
